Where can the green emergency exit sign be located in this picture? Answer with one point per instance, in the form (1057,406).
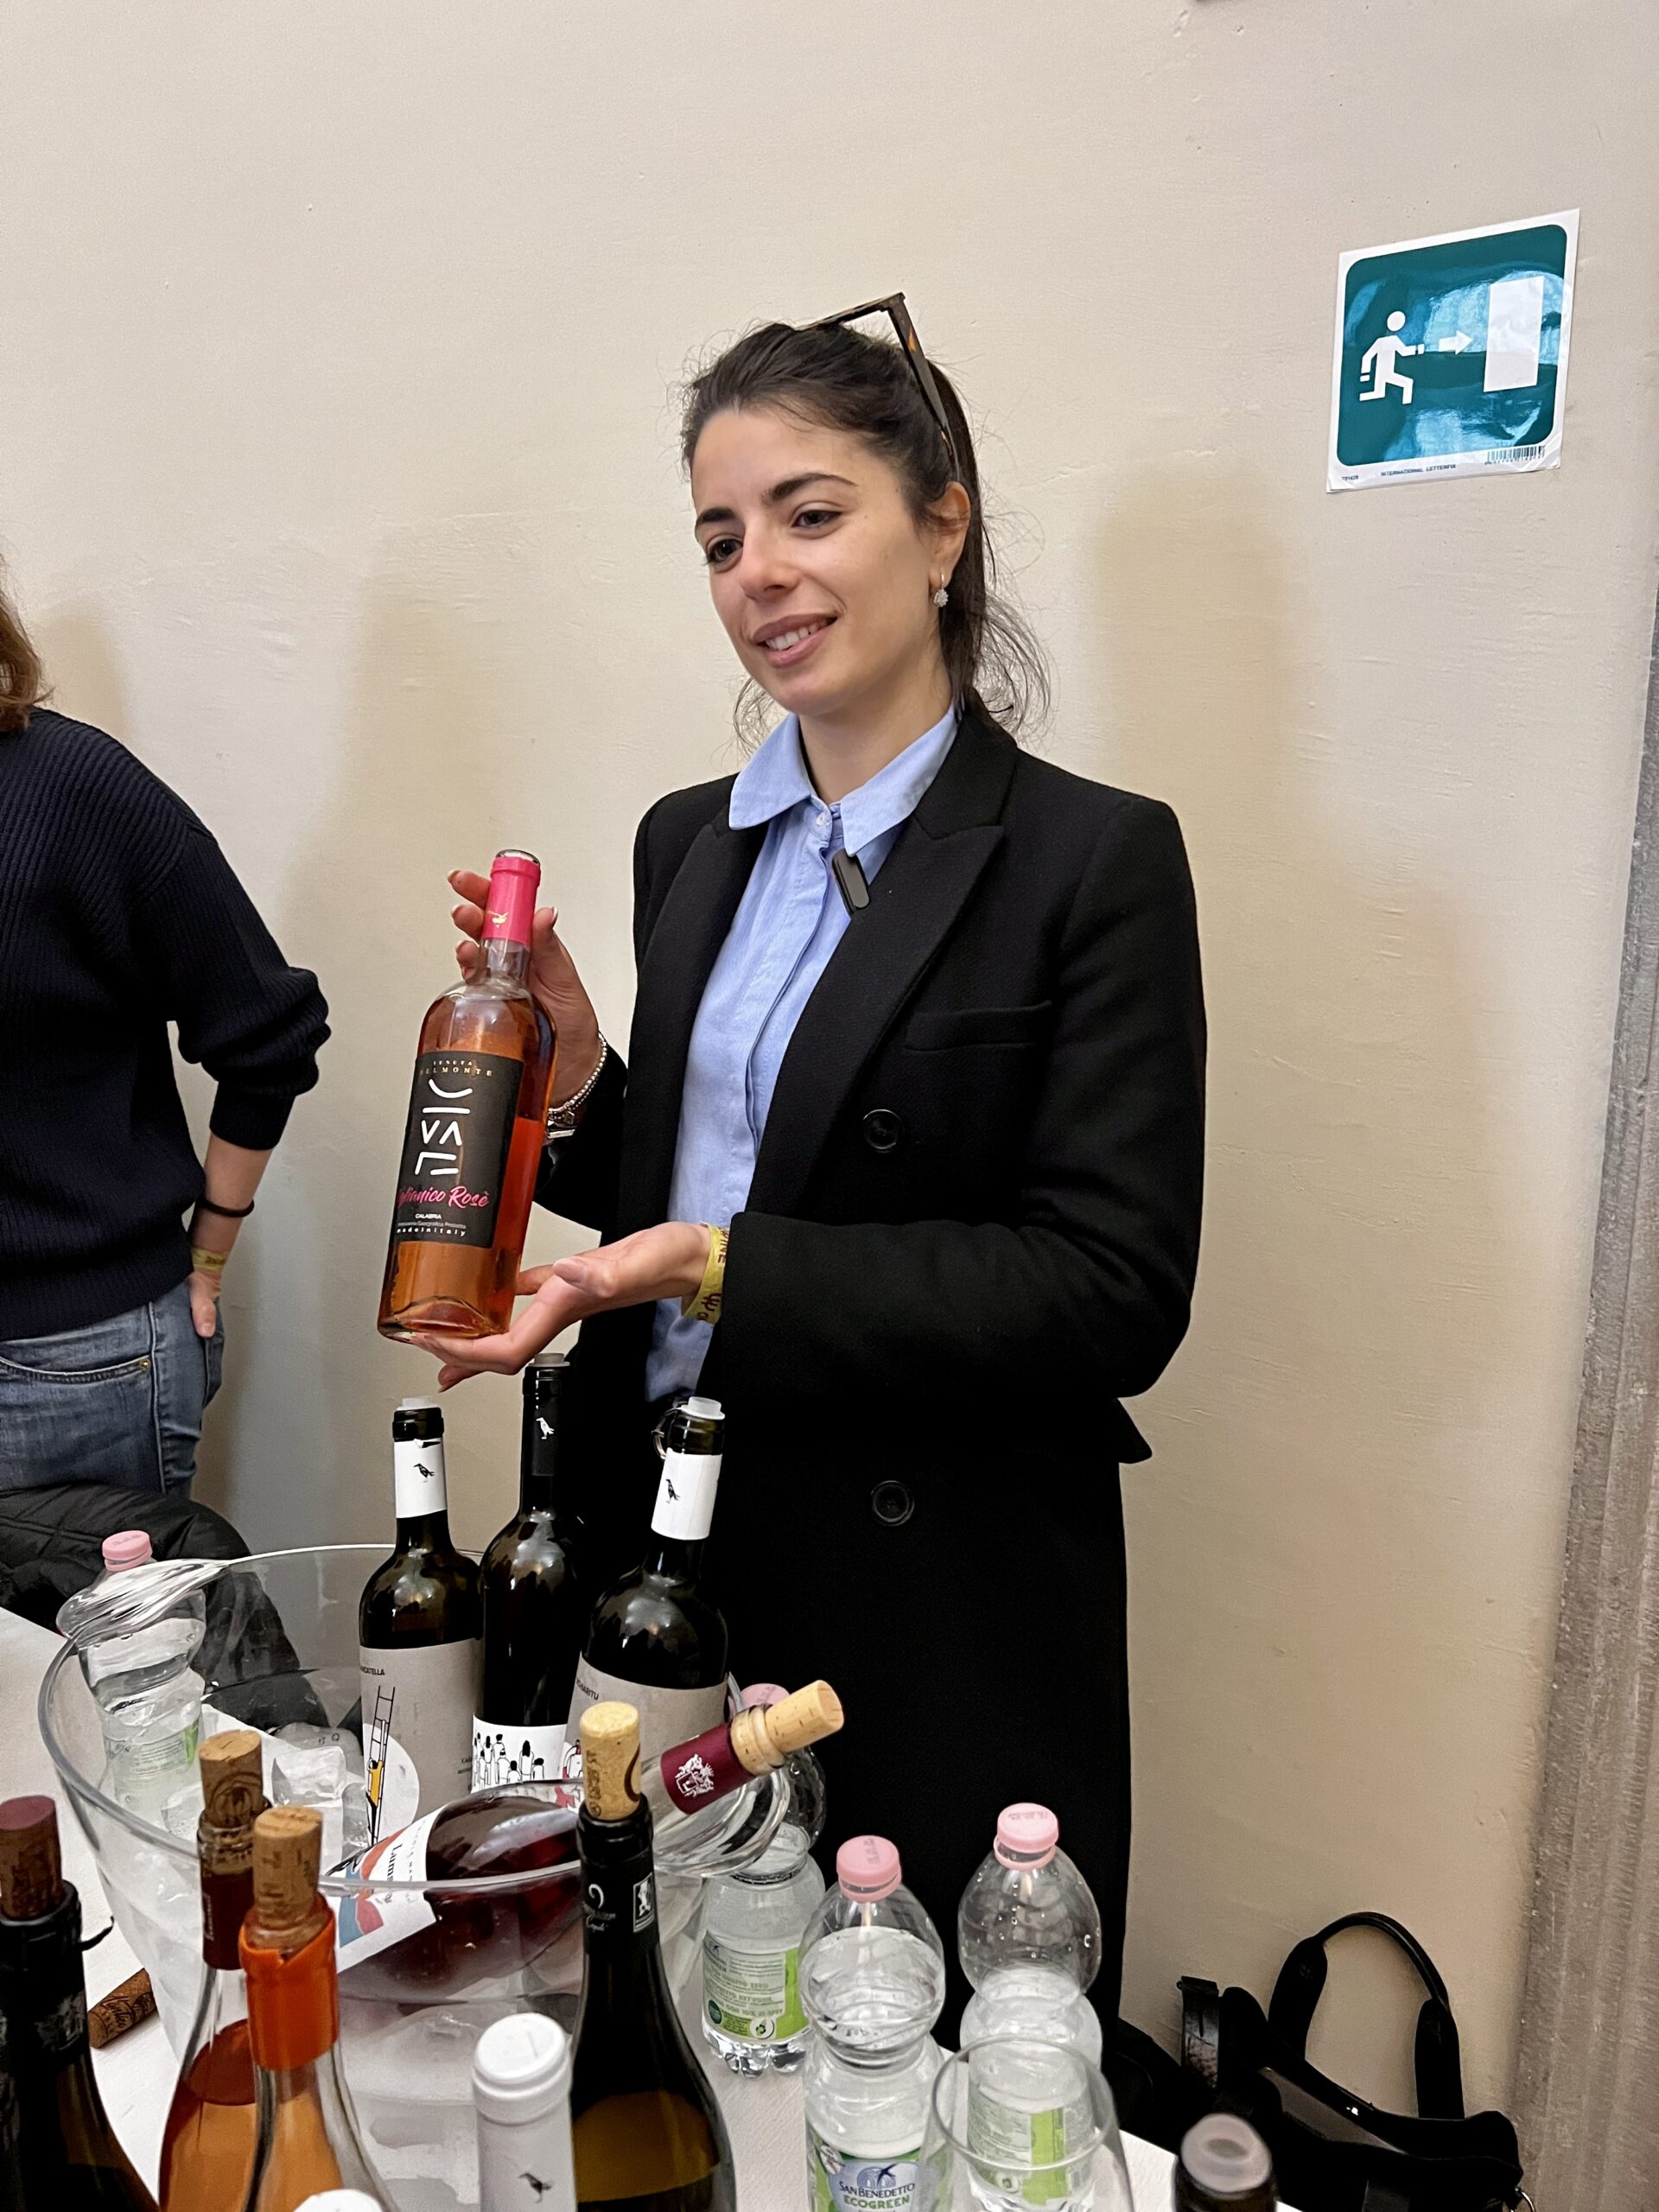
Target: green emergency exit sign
(1451,354)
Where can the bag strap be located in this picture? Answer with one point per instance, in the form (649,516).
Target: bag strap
(1438,2055)
(1201,2031)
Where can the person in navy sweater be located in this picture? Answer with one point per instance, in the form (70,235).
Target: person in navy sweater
(119,914)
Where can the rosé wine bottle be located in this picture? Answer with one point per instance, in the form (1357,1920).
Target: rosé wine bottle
(477,1124)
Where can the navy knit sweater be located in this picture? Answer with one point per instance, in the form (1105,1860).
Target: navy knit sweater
(118,913)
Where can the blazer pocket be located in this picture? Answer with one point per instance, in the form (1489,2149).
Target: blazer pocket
(940,1031)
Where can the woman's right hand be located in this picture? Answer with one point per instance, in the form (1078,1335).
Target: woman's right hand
(554,982)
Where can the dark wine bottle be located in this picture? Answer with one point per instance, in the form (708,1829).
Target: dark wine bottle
(421,1936)
(534,1607)
(656,1639)
(646,2130)
(66,2155)
(418,1625)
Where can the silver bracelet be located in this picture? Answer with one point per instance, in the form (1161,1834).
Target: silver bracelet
(561,1118)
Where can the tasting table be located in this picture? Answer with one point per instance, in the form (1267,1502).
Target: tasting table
(135,2073)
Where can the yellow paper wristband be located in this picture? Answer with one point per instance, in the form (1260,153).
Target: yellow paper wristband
(703,1305)
(207,1263)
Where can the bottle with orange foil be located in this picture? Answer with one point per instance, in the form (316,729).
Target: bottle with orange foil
(477,1126)
(308,2140)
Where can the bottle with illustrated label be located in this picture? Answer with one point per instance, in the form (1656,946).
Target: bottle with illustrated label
(1028,1936)
(207,2142)
(753,1927)
(418,1625)
(534,1610)
(65,2155)
(149,1694)
(521,2093)
(648,2134)
(656,1639)
(309,2141)
(873,1985)
(718,1801)
(477,1125)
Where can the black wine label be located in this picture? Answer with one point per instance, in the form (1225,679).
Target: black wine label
(618,1903)
(454,1159)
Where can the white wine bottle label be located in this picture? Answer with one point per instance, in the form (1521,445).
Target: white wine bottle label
(853,2181)
(685,1496)
(506,1752)
(420,1695)
(419,1484)
(666,1717)
(460,1116)
(369,1922)
(753,1995)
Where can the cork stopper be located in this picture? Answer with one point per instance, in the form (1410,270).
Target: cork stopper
(764,1736)
(287,1858)
(232,1779)
(31,1871)
(610,1760)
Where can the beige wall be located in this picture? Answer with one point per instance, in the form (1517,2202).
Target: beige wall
(339,477)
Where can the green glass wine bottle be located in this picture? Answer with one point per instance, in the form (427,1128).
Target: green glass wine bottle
(418,1630)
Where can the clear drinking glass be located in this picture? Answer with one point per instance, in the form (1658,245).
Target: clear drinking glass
(1017,2125)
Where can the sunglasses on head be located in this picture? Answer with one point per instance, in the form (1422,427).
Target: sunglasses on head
(899,314)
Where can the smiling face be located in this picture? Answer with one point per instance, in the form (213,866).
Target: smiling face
(819,571)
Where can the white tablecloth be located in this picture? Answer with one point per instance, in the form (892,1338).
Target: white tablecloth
(135,2073)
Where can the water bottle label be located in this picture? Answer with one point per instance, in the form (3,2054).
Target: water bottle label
(850,2181)
(999,2131)
(141,1770)
(753,1995)
(508,1752)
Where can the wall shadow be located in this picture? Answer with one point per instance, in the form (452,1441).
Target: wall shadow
(1317,1612)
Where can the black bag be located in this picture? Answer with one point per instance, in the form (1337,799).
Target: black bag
(1331,2151)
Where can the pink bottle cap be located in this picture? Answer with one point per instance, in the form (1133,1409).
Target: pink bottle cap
(867,1866)
(128,1548)
(1026,1835)
(763,1693)
(515,878)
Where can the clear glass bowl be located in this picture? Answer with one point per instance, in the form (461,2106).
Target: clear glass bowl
(281,1646)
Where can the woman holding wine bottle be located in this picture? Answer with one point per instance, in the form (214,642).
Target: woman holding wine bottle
(905,1166)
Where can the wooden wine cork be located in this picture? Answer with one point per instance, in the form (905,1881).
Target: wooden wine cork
(287,1858)
(31,1869)
(610,1760)
(232,1779)
(806,1718)
(123,2008)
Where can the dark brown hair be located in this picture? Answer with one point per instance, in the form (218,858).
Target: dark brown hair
(827,373)
(22,680)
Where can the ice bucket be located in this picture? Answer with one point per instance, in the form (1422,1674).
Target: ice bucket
(280,1648)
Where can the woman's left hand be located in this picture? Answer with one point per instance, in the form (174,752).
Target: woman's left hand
(204,1290)
(666,1262)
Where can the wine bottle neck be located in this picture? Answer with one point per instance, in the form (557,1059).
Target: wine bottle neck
(621,1936)
(43,1991)
(674,1559)
(420,1484)
(424,1532)
(505,961)
(685,1498)
(226,1901)
(538,1449)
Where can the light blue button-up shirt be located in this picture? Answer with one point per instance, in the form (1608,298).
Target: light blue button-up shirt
(789,922)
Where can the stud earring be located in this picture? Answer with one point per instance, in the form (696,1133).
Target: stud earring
(941,597)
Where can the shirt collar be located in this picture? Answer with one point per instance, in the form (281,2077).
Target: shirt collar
(776,779)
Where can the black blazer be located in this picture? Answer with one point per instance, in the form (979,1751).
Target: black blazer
(973,1229)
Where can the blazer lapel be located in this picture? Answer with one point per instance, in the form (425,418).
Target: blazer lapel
(914,902)
(687,936)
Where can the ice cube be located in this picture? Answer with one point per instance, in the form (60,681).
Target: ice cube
(302,1774)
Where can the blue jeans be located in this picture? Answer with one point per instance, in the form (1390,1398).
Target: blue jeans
(119,1402)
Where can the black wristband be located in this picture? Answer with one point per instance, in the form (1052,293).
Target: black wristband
(224,1213)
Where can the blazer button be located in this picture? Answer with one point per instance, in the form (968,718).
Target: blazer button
(893,1503)
(883,1129)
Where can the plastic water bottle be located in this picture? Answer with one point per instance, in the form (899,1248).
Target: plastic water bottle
(149,1694)
(753,1925)
(1028,1936)
(873,1984)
